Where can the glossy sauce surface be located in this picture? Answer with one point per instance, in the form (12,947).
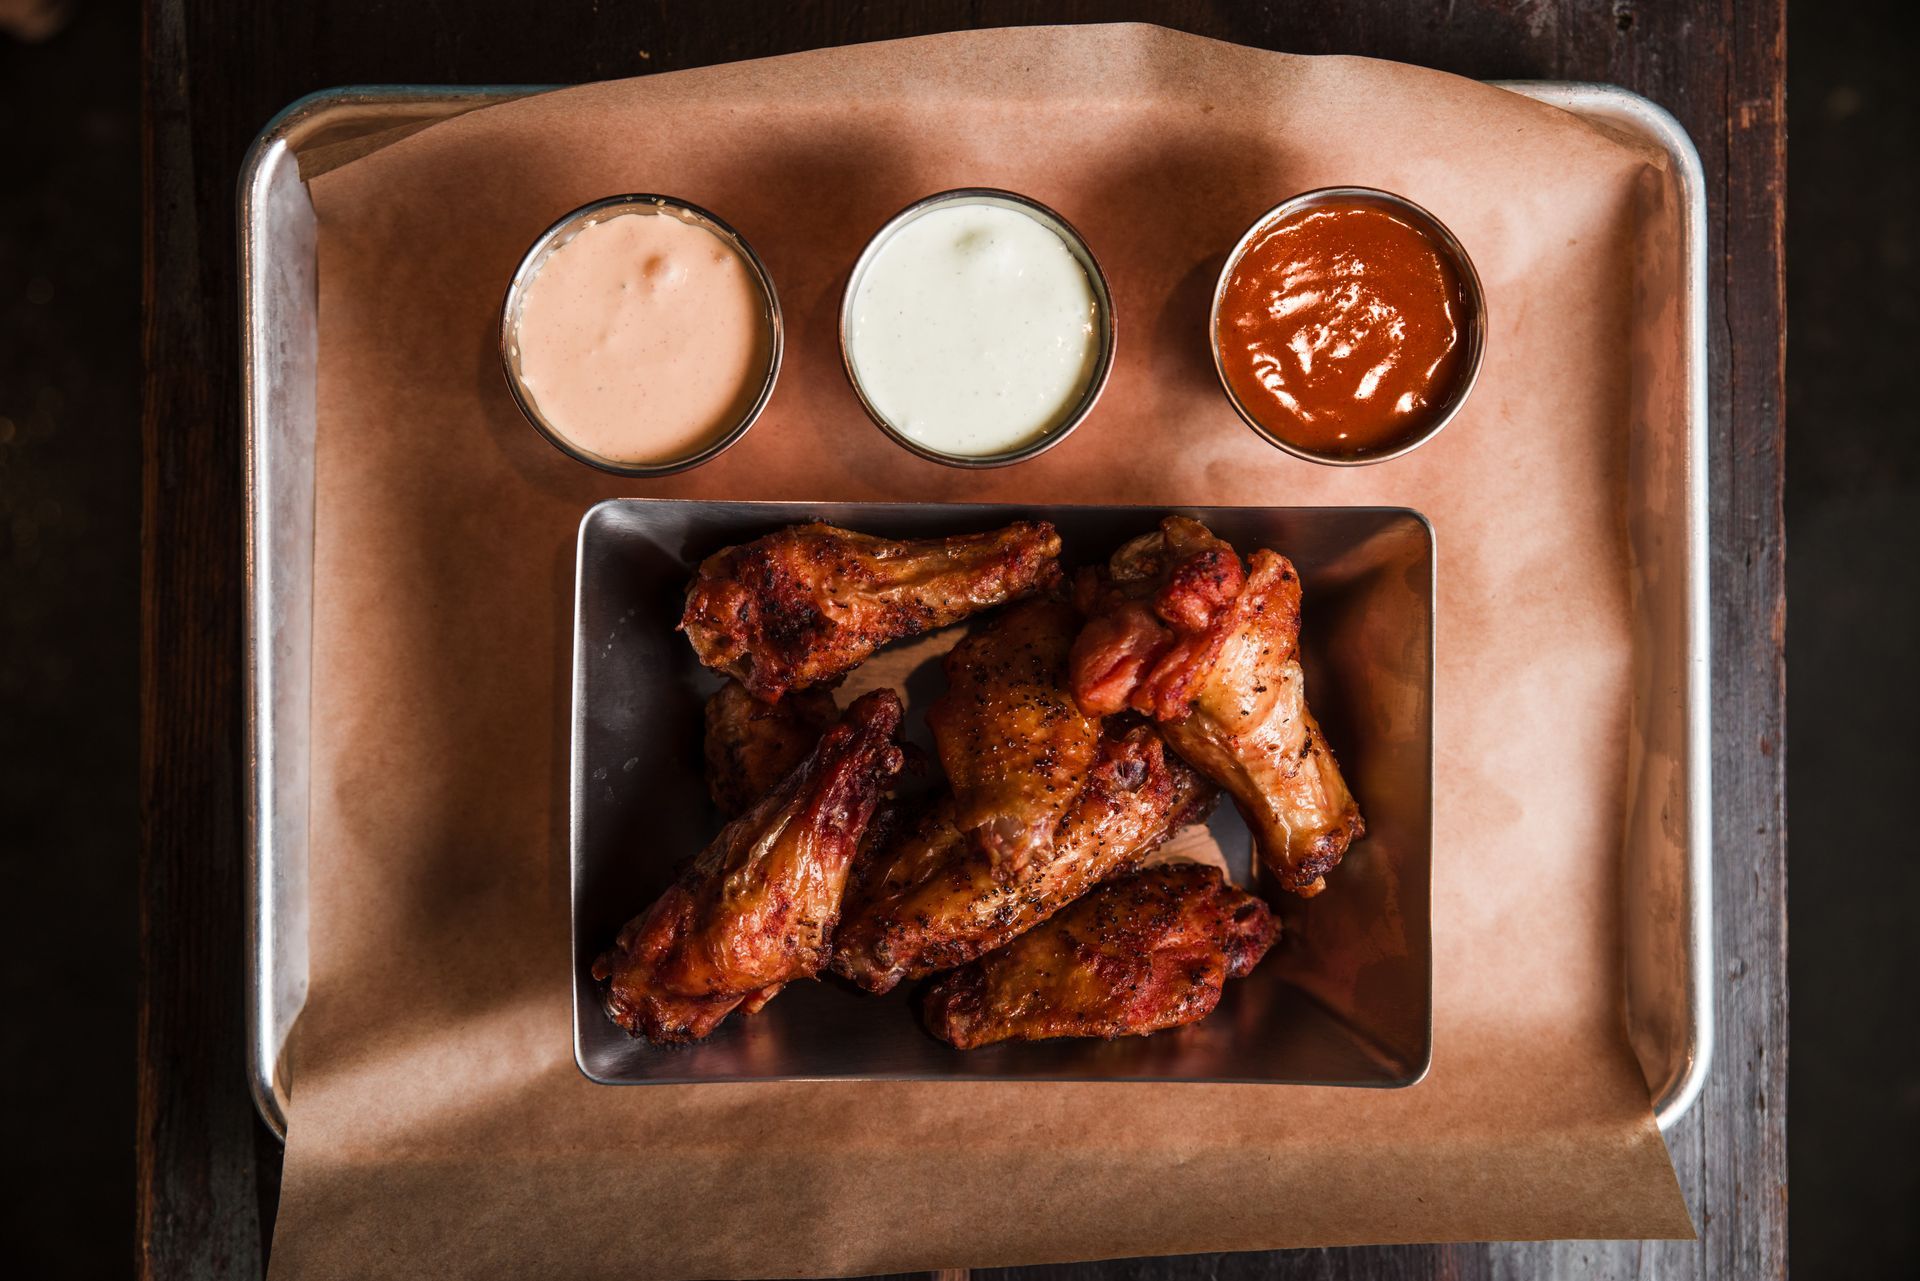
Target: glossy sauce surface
(1341,329)
(644,338)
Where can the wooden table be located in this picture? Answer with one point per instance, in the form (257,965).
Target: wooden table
(217,70)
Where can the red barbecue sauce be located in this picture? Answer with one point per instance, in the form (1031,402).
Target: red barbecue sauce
(1340,330)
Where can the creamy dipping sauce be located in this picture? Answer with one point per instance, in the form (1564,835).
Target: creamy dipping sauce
(974,331)
(643,339)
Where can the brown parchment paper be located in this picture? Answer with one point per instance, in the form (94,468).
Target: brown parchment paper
(438,1125)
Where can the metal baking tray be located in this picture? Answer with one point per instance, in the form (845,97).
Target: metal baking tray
(1666,860)
(1345,999)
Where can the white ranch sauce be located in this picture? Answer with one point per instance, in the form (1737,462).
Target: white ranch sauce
(974,330)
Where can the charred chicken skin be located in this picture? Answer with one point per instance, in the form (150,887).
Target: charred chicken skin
(1181,631)
(1015,746)
(810,602)
(751,745)
(941,895)
(1145,951)
(756,909)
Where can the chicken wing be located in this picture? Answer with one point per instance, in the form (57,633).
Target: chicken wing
(807,603)
(1180,630)
(935,900)
(752,745)
(1014,745)
(1146,951)
(756,909)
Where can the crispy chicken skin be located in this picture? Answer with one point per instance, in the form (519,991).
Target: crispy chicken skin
(934,900)
(752,745)
(756,909)
(1015,746)
(1145,951)
(1179,630)
(807,603)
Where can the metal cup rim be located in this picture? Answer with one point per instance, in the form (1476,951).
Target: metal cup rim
(1082,252)
(1458,258)
(549,240)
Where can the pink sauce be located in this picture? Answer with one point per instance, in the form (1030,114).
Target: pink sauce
(644,338)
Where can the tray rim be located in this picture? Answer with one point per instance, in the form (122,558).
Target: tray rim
(275,146)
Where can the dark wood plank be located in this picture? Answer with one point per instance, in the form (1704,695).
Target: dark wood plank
(201,1152)
(69,613)
(1742,1125)
(217,70)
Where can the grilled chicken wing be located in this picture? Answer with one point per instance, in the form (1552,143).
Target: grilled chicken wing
(934,899)
(1146,951)
(756,909)
(1014,745)
(809,602)
(1180,630)
(752,745)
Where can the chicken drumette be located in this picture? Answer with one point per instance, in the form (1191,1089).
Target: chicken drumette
(810,602)
(756,909)
(1180,630)
(1146,951)
(940,897)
